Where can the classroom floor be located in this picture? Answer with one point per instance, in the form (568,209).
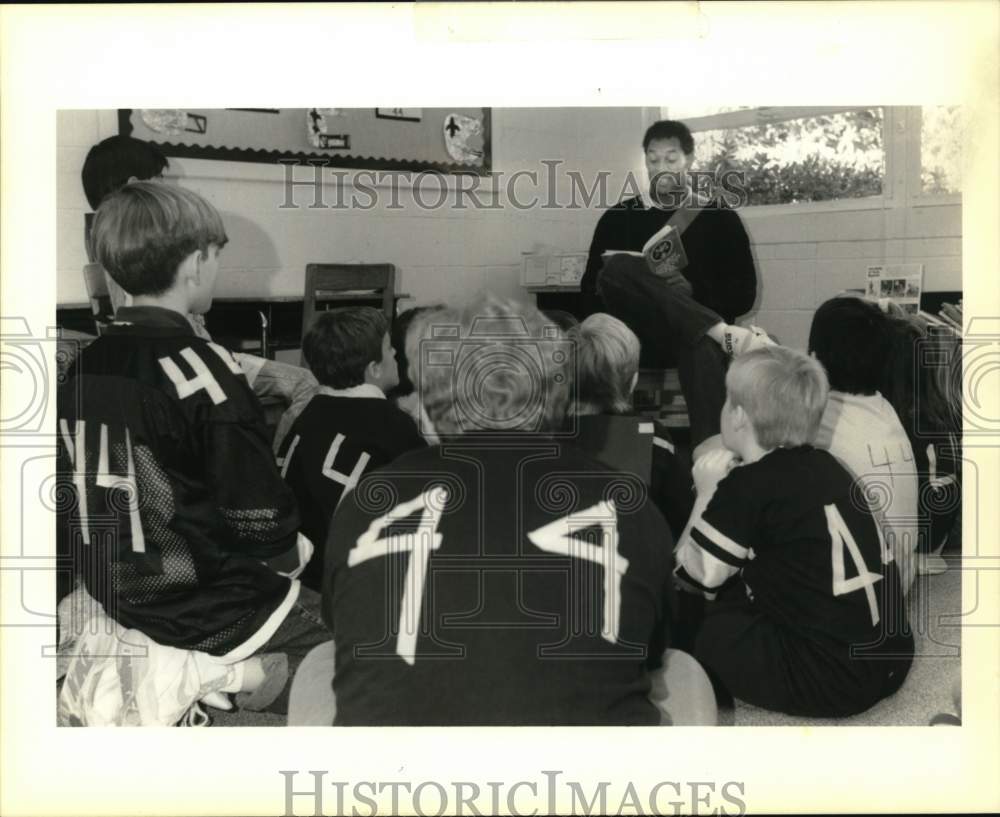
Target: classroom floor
(935,616)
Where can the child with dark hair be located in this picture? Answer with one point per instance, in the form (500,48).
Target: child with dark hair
(181,522)
(852,338)
(349,427)
(806,614)
(116,161)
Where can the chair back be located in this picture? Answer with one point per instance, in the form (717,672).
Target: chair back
(332,285)
(101,306)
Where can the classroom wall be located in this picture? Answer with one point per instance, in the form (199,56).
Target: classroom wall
(441,255)
(805,258)
(804,255)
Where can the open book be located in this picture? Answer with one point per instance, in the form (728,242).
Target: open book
(664,252)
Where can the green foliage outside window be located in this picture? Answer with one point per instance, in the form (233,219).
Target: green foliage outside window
(817,158)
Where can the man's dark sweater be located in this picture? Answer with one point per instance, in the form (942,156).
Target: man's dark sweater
(720,264)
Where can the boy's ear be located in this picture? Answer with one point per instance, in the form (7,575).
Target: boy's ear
(372,370)
(190,268)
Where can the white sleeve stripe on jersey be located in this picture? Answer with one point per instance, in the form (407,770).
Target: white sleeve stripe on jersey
(702,566)
(721,554)
(720,540)
(664,444)
(284,462)
(685,578)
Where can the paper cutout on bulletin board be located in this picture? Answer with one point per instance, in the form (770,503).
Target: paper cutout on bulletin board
(463,138)
(317,128)
(173,122)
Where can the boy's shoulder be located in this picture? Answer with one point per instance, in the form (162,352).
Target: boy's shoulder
(182,369)
(326,415)
(788,472)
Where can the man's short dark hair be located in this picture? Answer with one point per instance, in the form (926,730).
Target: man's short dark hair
(669,129)
(342,342)
(111,163)
(850,337)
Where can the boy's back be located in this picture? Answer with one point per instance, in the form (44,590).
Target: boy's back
(179,554)
(814,579)
(817,563)
(332,444)
(864,433)
(516,596)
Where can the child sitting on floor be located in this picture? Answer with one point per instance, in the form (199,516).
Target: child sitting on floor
(180,522)
(349,427)
(607,369)
(807,616)
(851,339)
(923,382)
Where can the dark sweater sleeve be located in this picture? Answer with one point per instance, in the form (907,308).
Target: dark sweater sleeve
(598,244)
(730,285)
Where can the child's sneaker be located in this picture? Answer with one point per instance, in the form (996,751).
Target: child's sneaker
(738,340)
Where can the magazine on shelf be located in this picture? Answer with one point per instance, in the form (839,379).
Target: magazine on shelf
(899,283)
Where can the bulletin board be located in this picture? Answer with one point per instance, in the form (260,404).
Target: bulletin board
(447,140)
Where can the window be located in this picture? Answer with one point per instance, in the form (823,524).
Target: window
(941,130)
(792,159)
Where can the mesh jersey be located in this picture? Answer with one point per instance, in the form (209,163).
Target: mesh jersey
(514,583)
(331,445)
(175,496)
(806,546)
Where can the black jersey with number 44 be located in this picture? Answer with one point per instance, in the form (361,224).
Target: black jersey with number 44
(513,583)
(176,500)
(806,546)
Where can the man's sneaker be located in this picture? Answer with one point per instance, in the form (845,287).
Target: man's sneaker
(738,340)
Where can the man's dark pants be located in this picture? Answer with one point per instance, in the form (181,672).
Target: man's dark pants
(671,326)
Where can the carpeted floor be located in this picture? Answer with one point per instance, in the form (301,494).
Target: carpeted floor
(929,689)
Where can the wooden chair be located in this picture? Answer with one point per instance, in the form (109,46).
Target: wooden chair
(330,285)
(101,306)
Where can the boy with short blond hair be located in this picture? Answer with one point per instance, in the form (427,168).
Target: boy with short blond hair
(607,369)
(807,616)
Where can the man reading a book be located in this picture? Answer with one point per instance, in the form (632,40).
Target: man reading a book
(684,296)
